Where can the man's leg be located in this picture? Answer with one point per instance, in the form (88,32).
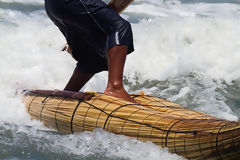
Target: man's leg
(116,60)
(78,80)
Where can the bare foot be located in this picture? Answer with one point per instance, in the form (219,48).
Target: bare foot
(119,93)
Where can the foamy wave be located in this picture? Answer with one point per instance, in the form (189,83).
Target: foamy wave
(173,46)
(85,144)
(24,1)
(169,9)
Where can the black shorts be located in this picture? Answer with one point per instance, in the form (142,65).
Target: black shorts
(91,28)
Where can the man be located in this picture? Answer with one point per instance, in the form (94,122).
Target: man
(99,40)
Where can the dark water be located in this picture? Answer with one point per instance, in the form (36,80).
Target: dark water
(217,94)
(26,8)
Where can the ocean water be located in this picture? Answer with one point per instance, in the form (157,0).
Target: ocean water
(187,51)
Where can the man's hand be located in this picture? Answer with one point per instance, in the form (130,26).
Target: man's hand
(67,48)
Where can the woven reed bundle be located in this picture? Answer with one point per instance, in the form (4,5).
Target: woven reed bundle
(191,134)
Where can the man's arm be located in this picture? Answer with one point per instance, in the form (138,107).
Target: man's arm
(119,5)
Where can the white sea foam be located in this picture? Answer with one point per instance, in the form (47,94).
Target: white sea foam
(97,142)
(169,9)
(24,1)
(172,46)
(186,37)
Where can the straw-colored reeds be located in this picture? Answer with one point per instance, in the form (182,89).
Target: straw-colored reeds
(191,134)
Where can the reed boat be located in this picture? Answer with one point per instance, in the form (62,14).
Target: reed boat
(191,134)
